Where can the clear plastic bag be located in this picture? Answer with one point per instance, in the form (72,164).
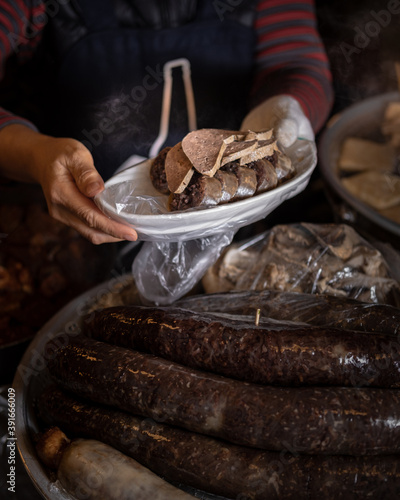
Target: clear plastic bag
(328,259)
(166,271)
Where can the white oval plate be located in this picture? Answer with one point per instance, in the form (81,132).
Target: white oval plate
(130,198)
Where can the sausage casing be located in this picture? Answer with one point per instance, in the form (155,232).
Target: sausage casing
(330,420)
(279,353)
(221,468)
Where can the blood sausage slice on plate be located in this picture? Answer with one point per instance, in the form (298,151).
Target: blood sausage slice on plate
(202,191)
(229,184)
(283,166)
(205,148)
(157,172)
(178,169)
(266,175)
(247,181)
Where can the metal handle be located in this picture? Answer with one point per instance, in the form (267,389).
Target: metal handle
(166,104)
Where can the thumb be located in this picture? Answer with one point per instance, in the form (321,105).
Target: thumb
(86,177)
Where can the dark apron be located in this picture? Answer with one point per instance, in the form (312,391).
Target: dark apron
(109,86)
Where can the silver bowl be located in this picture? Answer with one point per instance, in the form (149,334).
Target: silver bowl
(363,119)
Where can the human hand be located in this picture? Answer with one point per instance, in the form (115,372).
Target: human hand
(285,115)
(65,169)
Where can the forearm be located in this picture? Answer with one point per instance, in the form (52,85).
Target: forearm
(18,144)
(291,60)
(314,94)
(21,25)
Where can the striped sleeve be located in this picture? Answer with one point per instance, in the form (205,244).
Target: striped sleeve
(21,24)
(291,59)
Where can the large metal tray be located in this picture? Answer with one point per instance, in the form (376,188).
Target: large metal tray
(32,377)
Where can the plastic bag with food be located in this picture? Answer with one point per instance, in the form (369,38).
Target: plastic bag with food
(328,259)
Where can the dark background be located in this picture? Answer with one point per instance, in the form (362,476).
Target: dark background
(370,70)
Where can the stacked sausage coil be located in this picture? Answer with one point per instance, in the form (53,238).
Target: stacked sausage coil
(212,401)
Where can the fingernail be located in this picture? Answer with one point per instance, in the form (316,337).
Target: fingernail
(93,188)
(130,237)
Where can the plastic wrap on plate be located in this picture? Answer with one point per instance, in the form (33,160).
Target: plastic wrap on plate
(328,259)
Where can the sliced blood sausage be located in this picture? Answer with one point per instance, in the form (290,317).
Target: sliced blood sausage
(203,191)
(178,169)
(283,166)
(219,467)
(157,172)
(205,147)
(229,184)
(279,353)
(266,175)
(247,180)
(314,309)
(321,420)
